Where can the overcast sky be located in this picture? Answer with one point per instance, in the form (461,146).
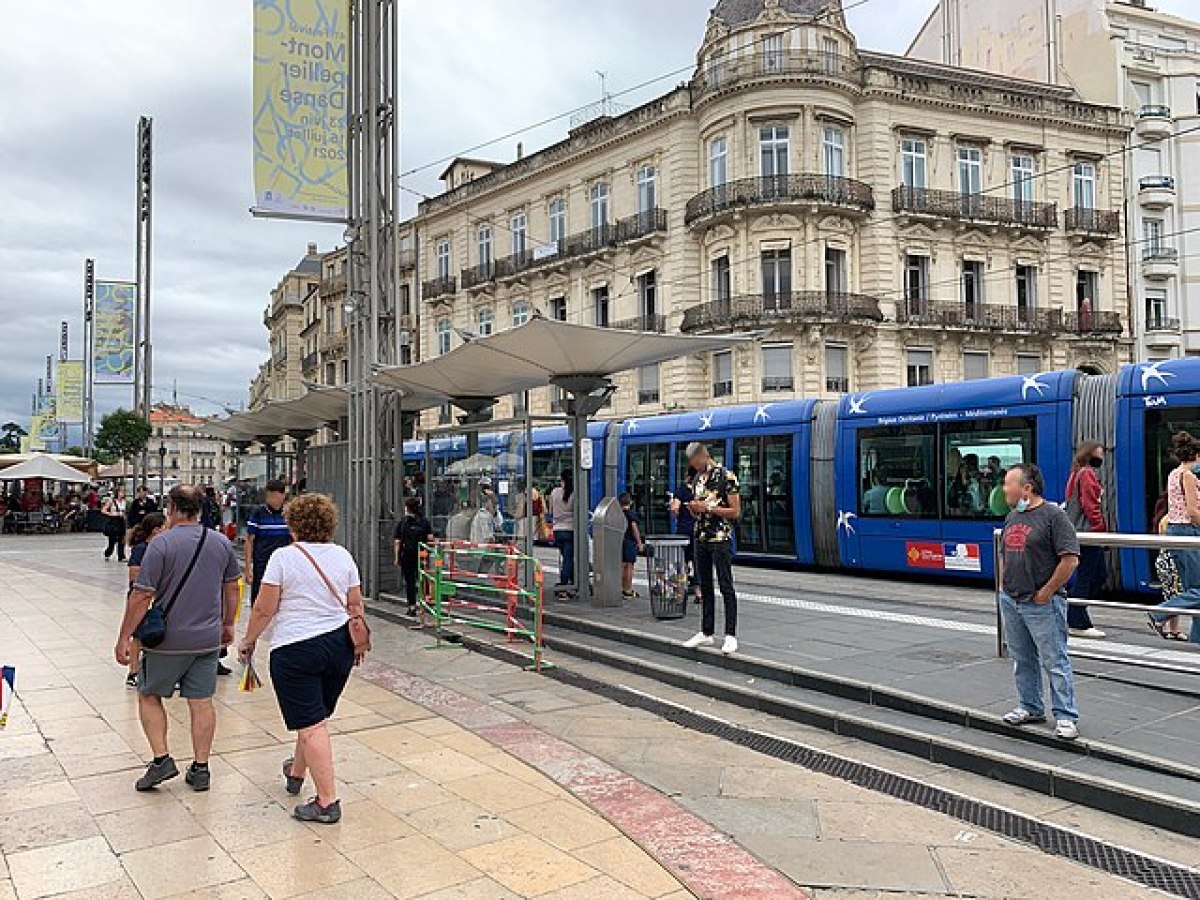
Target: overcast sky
(75,83)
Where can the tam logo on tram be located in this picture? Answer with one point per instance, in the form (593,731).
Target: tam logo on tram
(904,480)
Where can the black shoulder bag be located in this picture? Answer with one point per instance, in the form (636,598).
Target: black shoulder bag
(152,630)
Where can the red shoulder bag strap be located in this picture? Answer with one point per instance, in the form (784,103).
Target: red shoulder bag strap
(360,632)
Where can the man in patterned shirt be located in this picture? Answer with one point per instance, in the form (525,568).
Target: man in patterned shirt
(715,507)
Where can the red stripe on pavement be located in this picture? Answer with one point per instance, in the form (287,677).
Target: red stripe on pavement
(710,863)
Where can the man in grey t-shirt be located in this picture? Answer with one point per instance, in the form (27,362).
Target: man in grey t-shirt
(199,607)
(1039,551)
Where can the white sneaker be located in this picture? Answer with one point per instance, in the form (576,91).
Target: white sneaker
(730,645)
(1066,730)
(1094,633)
(1022,716)
(700,639)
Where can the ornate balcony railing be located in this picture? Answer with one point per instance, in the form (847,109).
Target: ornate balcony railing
(1160,255)
(477,275)
(1088,323)
(640,225)
(1154,111)
(755,310)
(1155,322)
(974,207)
(656,323)
(334,284)
(1156,183)
(309,362)
(331,342)
(984,316)
(770,190)
(407,259)
(438,287)
(728,70)
(1093,221)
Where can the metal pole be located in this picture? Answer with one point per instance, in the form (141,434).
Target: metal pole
(583,506)
(89,296)
(147,234)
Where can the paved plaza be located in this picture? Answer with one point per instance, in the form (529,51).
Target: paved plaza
(461,777)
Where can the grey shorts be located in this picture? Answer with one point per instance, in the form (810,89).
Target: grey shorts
(195,674)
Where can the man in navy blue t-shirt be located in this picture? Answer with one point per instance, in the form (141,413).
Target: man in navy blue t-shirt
(266,532)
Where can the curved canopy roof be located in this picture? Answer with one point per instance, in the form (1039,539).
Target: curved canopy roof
(316,409)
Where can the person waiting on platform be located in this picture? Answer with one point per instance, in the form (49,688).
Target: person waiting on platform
(631,546)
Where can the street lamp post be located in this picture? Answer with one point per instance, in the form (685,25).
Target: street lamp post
(162,469)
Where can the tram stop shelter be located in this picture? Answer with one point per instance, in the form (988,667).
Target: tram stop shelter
(298,418)
(578,359)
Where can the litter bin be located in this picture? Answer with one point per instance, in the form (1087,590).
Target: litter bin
(667,572)
(608,530)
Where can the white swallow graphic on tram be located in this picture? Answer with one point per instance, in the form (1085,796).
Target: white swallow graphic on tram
(846,521)
(1153,373)
(631,426)
(1031,383)
(858,405)
(761,414)
(706,420)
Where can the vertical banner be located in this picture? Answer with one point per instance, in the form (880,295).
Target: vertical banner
(113,325)
(44,430)
(70,390)
(8,684)
(301,102)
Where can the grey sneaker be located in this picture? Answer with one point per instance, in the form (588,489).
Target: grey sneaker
(156,774)
(313,811)
(1066,730)
(292,785)
(199,779)
(1021,716)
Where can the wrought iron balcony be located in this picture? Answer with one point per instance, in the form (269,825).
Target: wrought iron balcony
(1098,222)
(758,310)
(656,323)
(774,190)
(1160,254)
(1156,322)
(438,287)
(980,316)
(331,342)
(729,70)
(309,362)
(1084,322)
(477,275)
(333,285)
(1154,111)
(640,225)
(919,201)
(407,259)
(1156,183)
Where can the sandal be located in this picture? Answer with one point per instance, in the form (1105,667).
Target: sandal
(292,785)
(1165,633)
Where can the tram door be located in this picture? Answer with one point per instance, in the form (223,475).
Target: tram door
(648,480)
(764,469)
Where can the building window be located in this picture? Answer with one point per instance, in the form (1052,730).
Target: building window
(330,374)
(833,142)
(975,365)
(599,201)
(970,170)
(722,369)
(486,322)
(1029,363)
(522,312)
(558,399)
(443,336)
(558,309)
(972,287)
(443,258)
(1083,181)
(600,305)
(558,220)
(444,414)
(777,278)
(648,390)
(405,300)
(835,271)
(1156,311)
(830,53)
(913,163)
(919,367)
(718,162)
(517,224)
(1085,298)
(1022,173)
(647,189)
(837,369)
(722,285)
(1026,293)
(345,371)
(772,53)
(483,244)
(777,368)
(520,403)
(773,151)
(647,285)
(1152,236)
(916,285)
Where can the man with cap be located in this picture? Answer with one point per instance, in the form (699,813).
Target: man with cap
(715,506)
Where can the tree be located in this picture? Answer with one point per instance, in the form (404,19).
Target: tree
(10,437)
(122,433)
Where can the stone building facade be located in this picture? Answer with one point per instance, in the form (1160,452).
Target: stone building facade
(881,221)
(192,455)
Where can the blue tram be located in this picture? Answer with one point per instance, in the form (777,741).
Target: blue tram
(904,480)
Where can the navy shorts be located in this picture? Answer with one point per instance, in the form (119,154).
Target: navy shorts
(309,676)
(629,553)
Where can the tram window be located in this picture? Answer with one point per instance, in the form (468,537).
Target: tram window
(897,471)
(763,466)
(976,455)
(647,480)
(1161,426)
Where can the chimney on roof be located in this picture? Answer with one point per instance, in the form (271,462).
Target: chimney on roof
(520,150)
(312,248)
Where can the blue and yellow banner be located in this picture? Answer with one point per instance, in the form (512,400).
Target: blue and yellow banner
(113,332)
(45,430)
(301,103)
(69,388)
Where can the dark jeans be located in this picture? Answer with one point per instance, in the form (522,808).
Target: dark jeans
(710,555)
(1087,585)
(565,542)
(408,568)
(117,542)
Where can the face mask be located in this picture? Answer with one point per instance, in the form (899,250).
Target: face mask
(1096,462)
(1022,505)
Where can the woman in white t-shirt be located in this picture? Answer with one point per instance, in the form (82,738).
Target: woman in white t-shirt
(562,514)
(309,591)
